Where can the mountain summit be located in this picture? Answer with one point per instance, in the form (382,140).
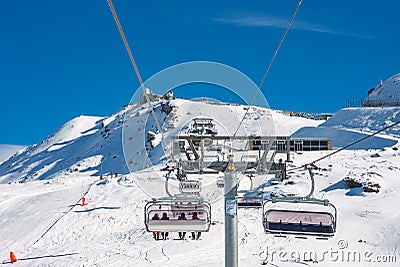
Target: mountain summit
(387,91)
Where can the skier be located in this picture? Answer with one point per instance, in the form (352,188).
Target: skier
(164,234)
(195,217)
(182,234)
(156,235)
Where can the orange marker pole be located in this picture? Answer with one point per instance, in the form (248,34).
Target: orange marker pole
(83,201)
(12,257)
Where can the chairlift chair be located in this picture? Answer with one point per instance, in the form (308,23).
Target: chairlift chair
(220,182)
(187,202)
(249,202)
(203,127)
(296,220)
(174,207)
(249,199)
(300,215)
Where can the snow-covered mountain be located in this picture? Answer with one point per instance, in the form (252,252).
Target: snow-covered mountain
(7,151)
(387,91)
(76,146)
(43,223)
(95,144)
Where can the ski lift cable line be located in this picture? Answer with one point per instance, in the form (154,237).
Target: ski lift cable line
(114,13)
(347,146)
(270,64)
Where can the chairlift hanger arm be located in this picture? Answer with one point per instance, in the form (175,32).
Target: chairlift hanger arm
(166,186)
(312,183)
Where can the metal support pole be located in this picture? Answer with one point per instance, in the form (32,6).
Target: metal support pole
(202,155)
(288,149)
(231,223)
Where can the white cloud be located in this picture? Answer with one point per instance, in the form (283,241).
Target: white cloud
(275,22)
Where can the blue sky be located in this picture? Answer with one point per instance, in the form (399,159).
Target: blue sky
(61,59)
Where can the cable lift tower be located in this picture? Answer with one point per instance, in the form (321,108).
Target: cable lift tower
(223,149)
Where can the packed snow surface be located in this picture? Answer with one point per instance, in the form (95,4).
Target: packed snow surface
(44,224)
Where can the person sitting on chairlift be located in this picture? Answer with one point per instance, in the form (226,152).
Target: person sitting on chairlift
(164,235)
(156,235)
(195,217)
(182,234)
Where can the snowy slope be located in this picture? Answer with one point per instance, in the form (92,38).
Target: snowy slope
(66,151)
(44,225)
(387,91)
(7,151)
(109,231)
(351,124)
